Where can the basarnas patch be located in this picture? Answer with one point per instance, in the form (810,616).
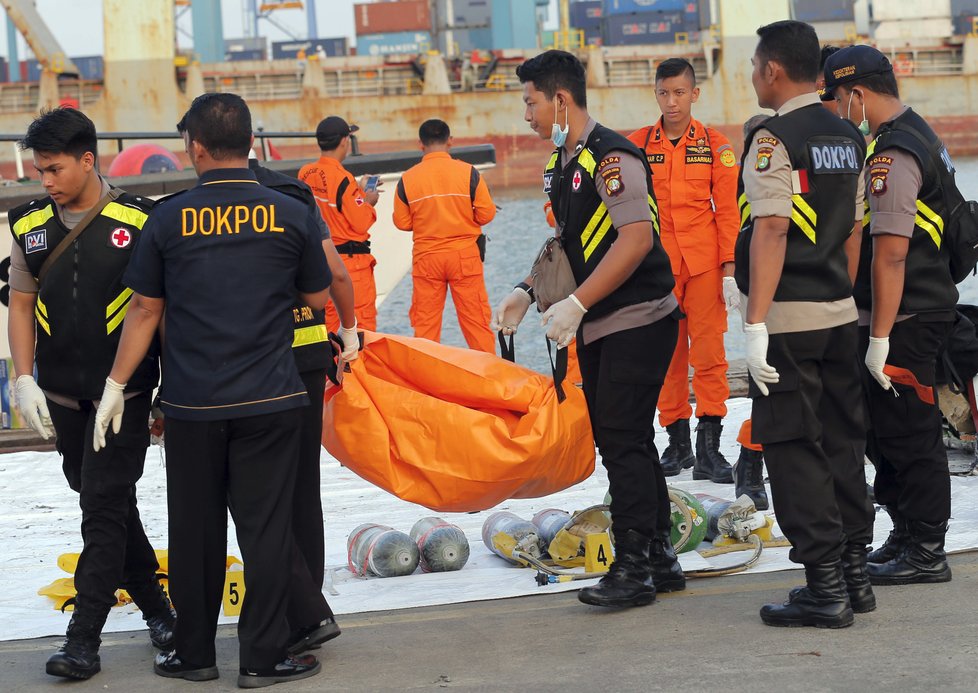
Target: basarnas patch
(727,158)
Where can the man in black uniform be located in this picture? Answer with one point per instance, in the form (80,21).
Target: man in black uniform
(906,299)
(228,260)
(795,261)
(623,313)
(312,351)
(76,298)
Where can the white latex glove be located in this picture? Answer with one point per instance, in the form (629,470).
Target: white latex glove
(351,343)
(760,370)
(731,294)
(510,313)
(879,349)
(109,410)
(564,317)
(33,405)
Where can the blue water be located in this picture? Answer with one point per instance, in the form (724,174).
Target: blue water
(517,233)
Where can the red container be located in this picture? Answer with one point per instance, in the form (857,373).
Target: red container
(389,17)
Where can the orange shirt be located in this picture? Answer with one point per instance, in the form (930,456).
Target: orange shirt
(696,189)
(341,202)
(445,203)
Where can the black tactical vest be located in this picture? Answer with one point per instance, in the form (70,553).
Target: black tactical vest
(82,301)
(586,227)
(928,287)
(827,156)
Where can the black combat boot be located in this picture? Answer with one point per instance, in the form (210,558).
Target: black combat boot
(157,612)
(678,454)
(922,559)
(822,602)
(710,464)
(894,543)
(78,657)
(629,580)
(749,477)
(861,596)
(667,574)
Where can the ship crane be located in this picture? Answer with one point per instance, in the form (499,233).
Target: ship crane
(42,42)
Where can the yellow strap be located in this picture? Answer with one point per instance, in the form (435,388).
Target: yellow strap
(871,148)
(125,214)
(595,241)
(31,221)
(41,321)
(112,324)
(119,300)
(931,230)
(599,214)
(586,160)
(40,305)
(804,216)
(931,215)
(313,334)
(552,162)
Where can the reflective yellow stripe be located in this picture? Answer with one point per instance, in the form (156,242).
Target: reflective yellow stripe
(120,299)
(870,149)
(40,304)
(804,216)
(931,215)
(599,214)
(586,160)
(33,220)
(934,234)
(552,162)
(314,334)
(744,208)
(596,241)
(41,321)
(654,209)
(117,320)
(125,214)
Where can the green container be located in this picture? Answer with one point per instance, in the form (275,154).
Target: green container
(692,523)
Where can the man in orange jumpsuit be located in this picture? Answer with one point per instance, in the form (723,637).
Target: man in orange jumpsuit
(349,212)
(445,203)
(694,171)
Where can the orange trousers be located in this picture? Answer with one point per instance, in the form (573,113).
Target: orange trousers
(361,269)
(460,270)
(700,345)
(744,437)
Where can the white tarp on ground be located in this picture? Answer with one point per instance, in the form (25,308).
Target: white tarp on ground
(39,520)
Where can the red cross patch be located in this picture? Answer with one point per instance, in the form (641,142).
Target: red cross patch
(576,181)
(120,237)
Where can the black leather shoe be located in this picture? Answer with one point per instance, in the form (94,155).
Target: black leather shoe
(667,574)
(748,476)
(922,560)
(629,580)
(78,657)
(292,669)
(312,637)
(710,464)
(895,542)
(822,602)
(678,454)
(170,666)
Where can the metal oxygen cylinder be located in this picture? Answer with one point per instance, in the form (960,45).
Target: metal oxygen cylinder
(548,522)
(714,509)
(443,546)
(516,531)
(381,551)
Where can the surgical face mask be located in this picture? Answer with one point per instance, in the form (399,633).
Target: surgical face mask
(863,124)
(558,135)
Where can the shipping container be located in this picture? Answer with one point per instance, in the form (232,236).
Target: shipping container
(642,6)
(467,13)
(235,56)
(245,43)
(392,17)
(289,50)
(513,24)
(642,28)
(586,14)
(823,10)
(962,7)
(832,32)
(964,24)
(902,10)
(30,70)
(393,43)
(90,66)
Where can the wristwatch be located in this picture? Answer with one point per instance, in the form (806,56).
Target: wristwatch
(528,289)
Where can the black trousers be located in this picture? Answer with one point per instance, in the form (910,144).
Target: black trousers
(905,441)
(115,552)
(622,375)
(307,604)
(812,426)
(247,466)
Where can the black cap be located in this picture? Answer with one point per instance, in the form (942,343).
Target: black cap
(852,63)
(333,127)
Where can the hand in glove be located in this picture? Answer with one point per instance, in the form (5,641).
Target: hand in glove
(731,294)
(351,342)
(760,370)
(510,312)
(879,349)
(109,410)
(564,317)
(33,405)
